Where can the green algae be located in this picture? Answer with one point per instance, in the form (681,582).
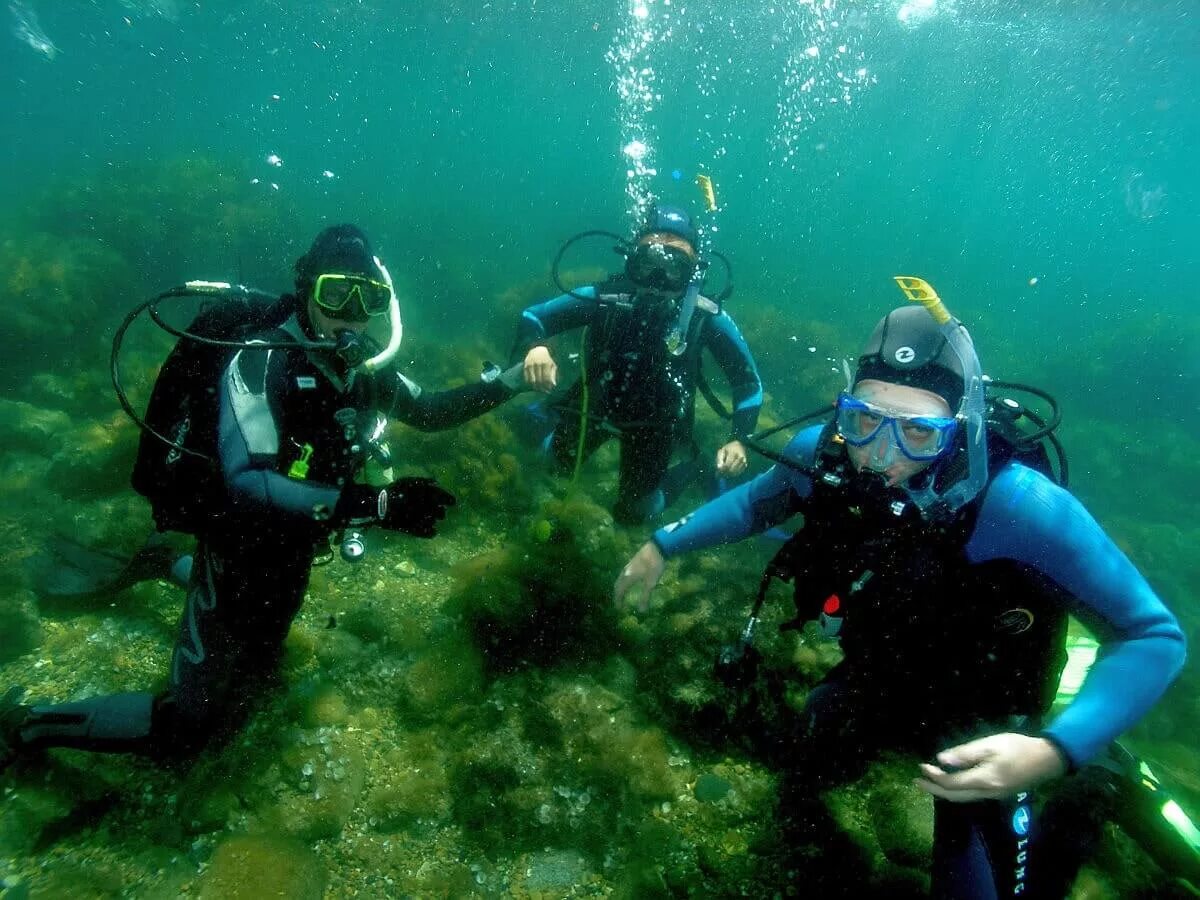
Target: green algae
(257,866)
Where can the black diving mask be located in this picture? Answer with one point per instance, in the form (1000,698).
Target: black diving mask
(660,267)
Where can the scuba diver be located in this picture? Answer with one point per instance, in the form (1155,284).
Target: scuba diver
(295,416)
(645,330)
(946,562)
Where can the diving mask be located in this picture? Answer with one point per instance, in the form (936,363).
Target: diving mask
(918,438)
(351,297)
(660,267)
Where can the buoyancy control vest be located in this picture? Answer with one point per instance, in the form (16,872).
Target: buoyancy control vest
(639,382)
(912,613)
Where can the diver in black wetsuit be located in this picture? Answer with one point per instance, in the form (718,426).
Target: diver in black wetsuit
(296,426)
(634,387)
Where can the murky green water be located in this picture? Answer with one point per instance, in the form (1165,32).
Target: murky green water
(470,715)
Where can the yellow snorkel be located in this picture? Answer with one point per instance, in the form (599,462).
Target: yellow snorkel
(971,412)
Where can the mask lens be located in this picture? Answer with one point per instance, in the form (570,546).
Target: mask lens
(660,267)
(351,296)
(919,438)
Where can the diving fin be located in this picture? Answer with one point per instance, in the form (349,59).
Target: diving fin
(67,569)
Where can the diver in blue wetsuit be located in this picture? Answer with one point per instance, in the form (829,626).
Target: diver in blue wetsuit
(296,428)
(634,386)
(948,569)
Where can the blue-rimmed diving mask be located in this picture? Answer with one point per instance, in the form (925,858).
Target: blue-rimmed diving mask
(918,438)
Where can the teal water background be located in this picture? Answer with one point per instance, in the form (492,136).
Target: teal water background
(1036,162)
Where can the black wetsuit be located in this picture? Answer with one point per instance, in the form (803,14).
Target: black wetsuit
(292,434)
(637,390)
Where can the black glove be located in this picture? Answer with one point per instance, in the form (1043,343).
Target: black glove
(411,505)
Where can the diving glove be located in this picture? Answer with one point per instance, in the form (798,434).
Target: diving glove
(411,505)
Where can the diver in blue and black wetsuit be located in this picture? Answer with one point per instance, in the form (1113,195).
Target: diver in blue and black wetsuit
(297,427)
(634,386)
(948,570)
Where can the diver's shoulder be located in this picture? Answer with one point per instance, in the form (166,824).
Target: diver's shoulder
(1017,490)
(802,448)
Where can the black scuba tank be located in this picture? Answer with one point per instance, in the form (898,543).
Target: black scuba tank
(185,487)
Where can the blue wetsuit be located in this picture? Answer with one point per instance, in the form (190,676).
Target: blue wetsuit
(637,390)
(930,666)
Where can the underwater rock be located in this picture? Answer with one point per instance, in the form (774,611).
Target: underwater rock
(902,818)
(70,880)
(551,873)
(19,624)
(412,783)
(28,812)
(450,673)
(96,460)
(710,788)
(379,621)
(259,866)
(609,745)
(28,428)
(329,768)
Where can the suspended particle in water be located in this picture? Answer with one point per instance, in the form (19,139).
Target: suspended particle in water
(327,174)
(273,159)
(1033,281)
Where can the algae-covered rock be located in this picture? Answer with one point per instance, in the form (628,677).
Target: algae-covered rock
(19,624)
(253,867)
(329,770)
(315,703)
(25,427)
(412,783)
(711,788)
(551,873)
(902,817)
(70,880)
(28,812)
(448,674)
(608,743)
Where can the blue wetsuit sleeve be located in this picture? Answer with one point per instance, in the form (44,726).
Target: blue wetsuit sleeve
(748,509)
(248,440)
(544,320)
(1027,518)
(732,354)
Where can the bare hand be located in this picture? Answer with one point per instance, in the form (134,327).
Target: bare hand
(541,372)
(992,768)
(643,571)
(731,459)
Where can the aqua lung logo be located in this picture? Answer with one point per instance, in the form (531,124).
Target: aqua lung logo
(905,355)
(1014,621)
(673,217)
(1022,823)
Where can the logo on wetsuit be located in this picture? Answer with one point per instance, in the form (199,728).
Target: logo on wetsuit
(1014,621)
(1022,822)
